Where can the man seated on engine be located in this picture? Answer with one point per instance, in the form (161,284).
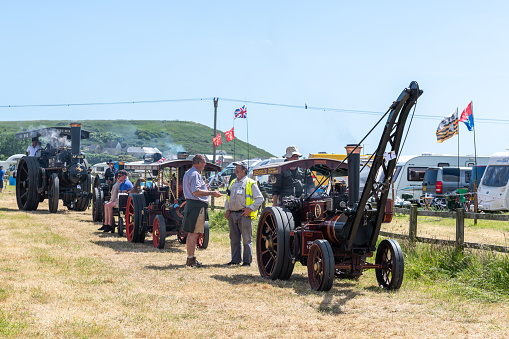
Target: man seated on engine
(34,147)
(109,206)
(124,186)
(291,181)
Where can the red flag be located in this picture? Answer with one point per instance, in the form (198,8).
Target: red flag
(229,135)
(217,140)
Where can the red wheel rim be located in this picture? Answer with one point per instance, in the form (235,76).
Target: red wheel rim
(199,242)
(156,232)
(129,219)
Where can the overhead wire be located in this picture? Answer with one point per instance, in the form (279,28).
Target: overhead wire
(304,107)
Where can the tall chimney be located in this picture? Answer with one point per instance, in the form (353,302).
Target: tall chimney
(354,164)
(76,137)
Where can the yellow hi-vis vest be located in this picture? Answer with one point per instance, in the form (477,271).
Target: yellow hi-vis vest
(249,195)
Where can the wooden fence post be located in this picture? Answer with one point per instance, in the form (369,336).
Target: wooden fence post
(412,230)
(460,227)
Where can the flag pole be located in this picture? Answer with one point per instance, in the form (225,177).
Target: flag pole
(457,123)
(247,136)
(234,156)
(476,201)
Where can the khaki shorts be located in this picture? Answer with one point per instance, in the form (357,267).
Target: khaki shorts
(200,223)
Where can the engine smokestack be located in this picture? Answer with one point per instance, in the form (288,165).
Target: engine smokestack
(75,137)
(354,164)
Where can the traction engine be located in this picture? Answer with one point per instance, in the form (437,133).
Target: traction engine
(333,233)
(55,172)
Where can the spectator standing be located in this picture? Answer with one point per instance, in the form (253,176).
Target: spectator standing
(111,172)
(195,210)
(2,174)
(241,208)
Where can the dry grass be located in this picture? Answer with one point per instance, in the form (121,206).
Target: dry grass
(60,277)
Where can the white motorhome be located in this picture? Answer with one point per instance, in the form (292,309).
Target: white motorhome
(11,164)
(493,192)
(410,170)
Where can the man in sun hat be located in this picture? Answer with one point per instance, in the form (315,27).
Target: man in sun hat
(111,172)
(291,181)
(241,208)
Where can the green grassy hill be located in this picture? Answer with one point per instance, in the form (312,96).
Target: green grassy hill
(167,136)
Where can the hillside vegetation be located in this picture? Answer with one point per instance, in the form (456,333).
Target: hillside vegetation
(167,136)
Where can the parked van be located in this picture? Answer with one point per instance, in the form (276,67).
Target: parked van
(445,180)
(493,192)
(410,170)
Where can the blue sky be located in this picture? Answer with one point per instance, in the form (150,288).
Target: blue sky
(346,55)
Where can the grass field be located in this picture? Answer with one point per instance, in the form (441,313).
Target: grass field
(61,278)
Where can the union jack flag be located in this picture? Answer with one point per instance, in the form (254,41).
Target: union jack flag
(161,160)
(241,112)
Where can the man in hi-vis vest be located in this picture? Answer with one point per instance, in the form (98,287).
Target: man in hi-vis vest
(242,203)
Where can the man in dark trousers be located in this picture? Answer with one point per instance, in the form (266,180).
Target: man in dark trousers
(111,172)
(197,195)
(241,208)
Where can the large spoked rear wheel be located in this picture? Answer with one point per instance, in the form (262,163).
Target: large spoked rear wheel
(159,232)
(133,218)
(53,193)
(27,181)
(83,202)
(390,256)
(273,243)
(321,265)
(203,238)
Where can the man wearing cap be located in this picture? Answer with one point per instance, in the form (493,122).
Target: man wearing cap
(197,195)
(241,208)
(111,172)
(32,149)
(291,181)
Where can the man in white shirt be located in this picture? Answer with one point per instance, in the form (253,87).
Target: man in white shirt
(32,149)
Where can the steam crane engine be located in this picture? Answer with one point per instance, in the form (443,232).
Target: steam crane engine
(334,232)
(57,171)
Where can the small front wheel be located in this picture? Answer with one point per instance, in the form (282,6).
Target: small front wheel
(390,256)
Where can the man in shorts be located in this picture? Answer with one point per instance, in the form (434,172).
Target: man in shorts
(197,195)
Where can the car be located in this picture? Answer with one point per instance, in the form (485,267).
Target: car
(440,181)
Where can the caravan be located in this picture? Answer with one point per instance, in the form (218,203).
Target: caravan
(493,192)
(410,170)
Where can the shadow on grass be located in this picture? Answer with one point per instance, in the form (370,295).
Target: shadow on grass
(342,291)
(171,246)
(5,209)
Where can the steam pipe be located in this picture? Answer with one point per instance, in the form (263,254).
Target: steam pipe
(75,138)
(354,164)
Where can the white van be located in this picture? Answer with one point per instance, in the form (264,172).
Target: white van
(493,192)
(410,170)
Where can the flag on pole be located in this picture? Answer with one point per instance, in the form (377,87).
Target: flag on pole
(467,116)
(448,127)
(217,140)
(241,113)
(229,135)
